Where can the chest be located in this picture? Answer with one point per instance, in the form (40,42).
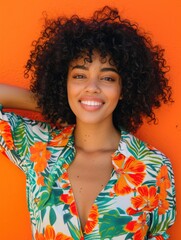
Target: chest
(88,176)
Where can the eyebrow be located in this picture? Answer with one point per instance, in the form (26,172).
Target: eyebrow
(109,69)
(106,69)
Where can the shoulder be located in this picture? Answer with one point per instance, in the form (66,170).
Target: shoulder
(157,164)
(142,150)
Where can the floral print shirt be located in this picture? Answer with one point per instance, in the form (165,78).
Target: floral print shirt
(137,203)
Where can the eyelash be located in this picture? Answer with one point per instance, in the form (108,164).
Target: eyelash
(78,76)
(109,79)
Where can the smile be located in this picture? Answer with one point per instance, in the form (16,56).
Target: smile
(91,103)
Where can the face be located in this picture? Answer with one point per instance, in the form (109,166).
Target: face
(94,89)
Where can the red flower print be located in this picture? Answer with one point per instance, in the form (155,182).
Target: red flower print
(61,236)
(5,132)
(3,152)
(73,208)
(163,204)
(40,180)
(50,234)
(62,139)
(65,176)
(66,198)
(139,227)
(65,166)
(66,185)
(157,237)
(163,180)
(39,236)
(40,155)
(69,199)
(92,219)
(131,173)
(146,201)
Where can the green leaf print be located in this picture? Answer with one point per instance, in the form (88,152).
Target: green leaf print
(67,217)
(133,145)
(43,200)
(74,231)
(52,216)
(23,138)
(129,236)
(50,198)
(160,222)
(43,214)
(113,223)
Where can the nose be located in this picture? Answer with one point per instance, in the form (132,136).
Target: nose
(92,85)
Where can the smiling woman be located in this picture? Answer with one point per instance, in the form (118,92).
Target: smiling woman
(92,179)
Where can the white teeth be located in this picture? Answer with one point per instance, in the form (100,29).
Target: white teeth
(91,103)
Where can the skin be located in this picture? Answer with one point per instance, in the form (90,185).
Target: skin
(94,90)
(16,97)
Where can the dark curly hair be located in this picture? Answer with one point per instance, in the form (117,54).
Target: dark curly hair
(141,65)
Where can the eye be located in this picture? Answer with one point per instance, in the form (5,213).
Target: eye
(78,76)
(108,79)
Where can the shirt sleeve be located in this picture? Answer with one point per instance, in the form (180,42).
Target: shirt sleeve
(18,135)
(164,215)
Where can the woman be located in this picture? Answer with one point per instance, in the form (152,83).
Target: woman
(92,179)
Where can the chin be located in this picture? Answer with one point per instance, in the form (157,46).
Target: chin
(94,121)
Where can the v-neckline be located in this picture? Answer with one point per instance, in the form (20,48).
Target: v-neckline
(82,228)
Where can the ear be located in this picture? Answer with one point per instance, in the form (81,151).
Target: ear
(121,97)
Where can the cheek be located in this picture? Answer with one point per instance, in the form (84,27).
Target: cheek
(115,97)
(70,89)
(116,93)
(72,94)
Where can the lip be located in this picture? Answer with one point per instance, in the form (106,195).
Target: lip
(91,104)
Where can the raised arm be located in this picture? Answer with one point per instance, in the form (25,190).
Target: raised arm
(17,97)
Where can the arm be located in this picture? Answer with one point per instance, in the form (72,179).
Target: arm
(16,97)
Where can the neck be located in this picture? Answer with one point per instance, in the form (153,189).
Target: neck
(99,137)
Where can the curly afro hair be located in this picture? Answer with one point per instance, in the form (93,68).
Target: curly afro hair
(141,65)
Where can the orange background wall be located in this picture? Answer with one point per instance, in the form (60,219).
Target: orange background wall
(20,23)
